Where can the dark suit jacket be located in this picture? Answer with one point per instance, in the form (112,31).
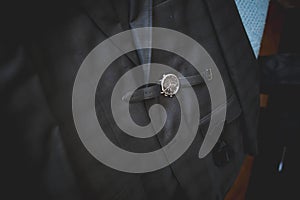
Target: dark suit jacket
(37,80)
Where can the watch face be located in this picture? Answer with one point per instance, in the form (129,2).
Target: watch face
(169,85)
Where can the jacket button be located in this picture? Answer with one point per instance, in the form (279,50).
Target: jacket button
(222,153)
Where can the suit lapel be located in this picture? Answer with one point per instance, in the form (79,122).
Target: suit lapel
(240,61)
(111,17)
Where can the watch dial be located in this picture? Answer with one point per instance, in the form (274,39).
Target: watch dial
(170,84)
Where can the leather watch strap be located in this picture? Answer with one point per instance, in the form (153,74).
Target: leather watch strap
(154,91)
(191,81)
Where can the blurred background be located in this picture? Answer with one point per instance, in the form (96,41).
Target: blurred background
(274,172)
